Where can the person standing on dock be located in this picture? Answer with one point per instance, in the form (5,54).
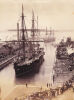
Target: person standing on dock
(73,88)
(53,76)
(53,79)
(47,85)
(26,84)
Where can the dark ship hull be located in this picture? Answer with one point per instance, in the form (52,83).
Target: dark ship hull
(30,57)
(28,68)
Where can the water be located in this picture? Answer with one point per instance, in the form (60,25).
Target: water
(45,75)
(8,79)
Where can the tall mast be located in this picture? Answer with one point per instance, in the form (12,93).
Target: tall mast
(50,31)
(22,27)
(38,34)
(18,37)
(33,32)
(33,27)
(37,24)
(22,24)
(46,31)
(53,33)
(18,31)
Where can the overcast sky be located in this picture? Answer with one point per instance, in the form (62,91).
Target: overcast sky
(58,14)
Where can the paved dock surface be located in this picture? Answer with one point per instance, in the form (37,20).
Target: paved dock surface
(32,92)
(23,91)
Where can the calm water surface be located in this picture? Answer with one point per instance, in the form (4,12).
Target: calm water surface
(45,75)
(8,79)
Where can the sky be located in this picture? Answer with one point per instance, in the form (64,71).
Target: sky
(58,14)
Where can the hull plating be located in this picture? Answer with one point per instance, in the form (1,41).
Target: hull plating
(29,68)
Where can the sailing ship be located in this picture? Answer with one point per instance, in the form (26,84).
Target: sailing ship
(49,37)
(31,55)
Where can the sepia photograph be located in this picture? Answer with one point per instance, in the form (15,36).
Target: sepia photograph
(36,49)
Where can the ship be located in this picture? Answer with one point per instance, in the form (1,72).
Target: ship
(31,55)
(49,36)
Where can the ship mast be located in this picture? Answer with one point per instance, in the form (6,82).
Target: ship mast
(18,32)
(46,31)
(50,31)
(33,25)
(38,34)
(37,24)
(53,33)
(33,32)
(22,30)
(18,37)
